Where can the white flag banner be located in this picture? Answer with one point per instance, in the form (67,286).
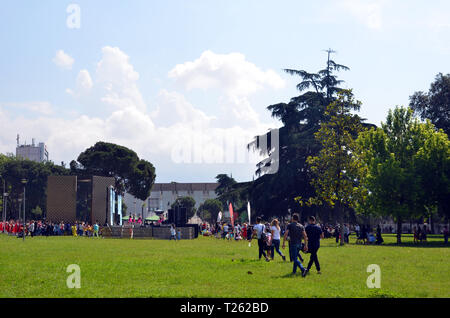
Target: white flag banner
(249,214)
(219,216)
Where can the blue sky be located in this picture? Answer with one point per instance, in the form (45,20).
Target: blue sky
(157,76)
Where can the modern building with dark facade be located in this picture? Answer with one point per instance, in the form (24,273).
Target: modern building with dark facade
(92,199)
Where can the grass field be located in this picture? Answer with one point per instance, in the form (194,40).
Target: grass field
(208,267)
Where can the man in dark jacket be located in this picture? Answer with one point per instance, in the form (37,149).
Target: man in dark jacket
(314,233)
(296,232)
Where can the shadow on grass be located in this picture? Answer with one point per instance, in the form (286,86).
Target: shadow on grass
(391,240)
(419,245)
(382,294)
(289,275)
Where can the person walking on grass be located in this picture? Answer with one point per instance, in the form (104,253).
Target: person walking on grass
(445,233)
(258,230)
(314,233)
(424,234)
(379,238)
(276,239)
(96,228)
(296,232)
(173,232)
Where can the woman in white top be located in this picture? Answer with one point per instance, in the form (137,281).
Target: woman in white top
(173,232)
(275,230)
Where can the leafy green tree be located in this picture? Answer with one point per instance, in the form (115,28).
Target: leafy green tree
(432,163)
(406,167)
(274,194)
(335,168)
(142,179)
(131,174)
(14,170)
(434,105)
(37,213)
(186,202)
(210,209)
(228,190)
(225,184)
(324,80)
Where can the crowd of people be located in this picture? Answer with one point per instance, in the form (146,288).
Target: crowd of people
(45,228)
(364,234)
(301,237)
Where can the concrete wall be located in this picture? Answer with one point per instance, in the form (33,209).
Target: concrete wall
(157,232)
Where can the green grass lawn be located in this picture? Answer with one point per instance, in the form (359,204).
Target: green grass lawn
(208,267)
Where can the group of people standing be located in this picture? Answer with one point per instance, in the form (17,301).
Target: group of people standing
(44,228)
(306,239)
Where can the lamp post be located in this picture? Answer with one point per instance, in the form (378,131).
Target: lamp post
(24,182)
(5,198)
(4,204)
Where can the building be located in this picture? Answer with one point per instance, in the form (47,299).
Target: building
(90,199)
(32,152)
(163,195)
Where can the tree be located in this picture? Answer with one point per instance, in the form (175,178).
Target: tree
(274,194)
(434,105)
(14,170)
(335,169)
(225,184)
(406,167)
(186,202)
(131,174)
(37,212)
(210,209)
(432,164)
(142,179)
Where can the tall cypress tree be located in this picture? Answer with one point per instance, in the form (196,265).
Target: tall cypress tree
(301,117)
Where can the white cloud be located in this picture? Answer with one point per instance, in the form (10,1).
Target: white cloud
(83,84)
(234,76)
(63,60)
(172,108)
(44,108)
(119,80)
(368,12)
(173,124)
(230,72)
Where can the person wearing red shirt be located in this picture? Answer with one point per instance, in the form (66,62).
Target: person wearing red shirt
(244,232)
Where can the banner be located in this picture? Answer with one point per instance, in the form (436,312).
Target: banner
(230,208)
(119,208)
(248,211)
(219,216)
(112,205)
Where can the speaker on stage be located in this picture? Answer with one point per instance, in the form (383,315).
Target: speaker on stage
(181,216)
(171,215)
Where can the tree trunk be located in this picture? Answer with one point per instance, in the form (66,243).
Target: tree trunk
(431,224)
(341,222)
(399,230)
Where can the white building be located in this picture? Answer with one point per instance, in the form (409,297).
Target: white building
(163,195)
(32,152)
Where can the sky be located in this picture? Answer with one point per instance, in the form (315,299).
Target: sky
(185,84)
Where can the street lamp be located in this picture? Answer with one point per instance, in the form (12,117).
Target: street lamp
(4,204)
(24,182)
